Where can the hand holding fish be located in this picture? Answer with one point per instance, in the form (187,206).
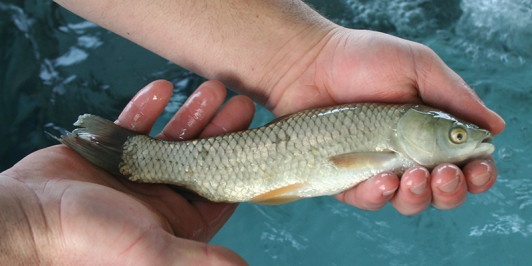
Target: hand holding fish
(57,208)
(316,152)
(289,58)
(364,66)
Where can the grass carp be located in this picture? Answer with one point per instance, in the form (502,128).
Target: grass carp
(311,153)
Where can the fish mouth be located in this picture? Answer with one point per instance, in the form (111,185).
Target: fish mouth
(485,147)
(488,139)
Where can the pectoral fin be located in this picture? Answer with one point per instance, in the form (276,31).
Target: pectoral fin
(356,160)
(279,195)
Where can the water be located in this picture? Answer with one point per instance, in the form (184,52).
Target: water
(56,66)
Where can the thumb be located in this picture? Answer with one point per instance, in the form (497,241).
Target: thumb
(163,248)
(441,87)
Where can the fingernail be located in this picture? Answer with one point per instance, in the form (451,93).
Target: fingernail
(452,184)
(386,190)
(481,179)
(389,192)
(419,188)
(421,175)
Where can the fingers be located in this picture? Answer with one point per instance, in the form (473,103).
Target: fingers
(480,175)
(415,193)
(196,112)
(410,195)
(236,115)
(199,117)
(373,193)
(141,112)
(449,186)
(445,188)
(194,118)
(441,87)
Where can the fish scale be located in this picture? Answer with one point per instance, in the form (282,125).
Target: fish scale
(311,153)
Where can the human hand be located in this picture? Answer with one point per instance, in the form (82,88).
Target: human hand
(74,211)
(351,66)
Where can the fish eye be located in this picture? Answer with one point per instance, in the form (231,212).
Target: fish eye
(458,135)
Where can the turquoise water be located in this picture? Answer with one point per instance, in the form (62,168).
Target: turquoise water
(56,66)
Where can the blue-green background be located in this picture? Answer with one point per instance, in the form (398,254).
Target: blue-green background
(55,66)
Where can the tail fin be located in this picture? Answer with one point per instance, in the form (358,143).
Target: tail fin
(98,140)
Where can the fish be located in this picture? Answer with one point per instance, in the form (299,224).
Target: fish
(315,152)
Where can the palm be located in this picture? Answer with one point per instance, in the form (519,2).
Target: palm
(84,198)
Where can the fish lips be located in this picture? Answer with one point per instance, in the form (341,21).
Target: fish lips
(485,147)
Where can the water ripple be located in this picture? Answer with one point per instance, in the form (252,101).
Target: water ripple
(504,225)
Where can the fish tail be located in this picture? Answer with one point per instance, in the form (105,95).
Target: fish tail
(98,140)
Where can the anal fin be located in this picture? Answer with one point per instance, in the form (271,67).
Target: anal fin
(278,195)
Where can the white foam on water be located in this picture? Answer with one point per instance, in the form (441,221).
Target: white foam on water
(504,25)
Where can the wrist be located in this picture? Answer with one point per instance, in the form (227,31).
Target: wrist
(267,46)
(252,46)
(285,43)
(293,68)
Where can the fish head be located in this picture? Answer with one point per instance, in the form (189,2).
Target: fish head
(430,137)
